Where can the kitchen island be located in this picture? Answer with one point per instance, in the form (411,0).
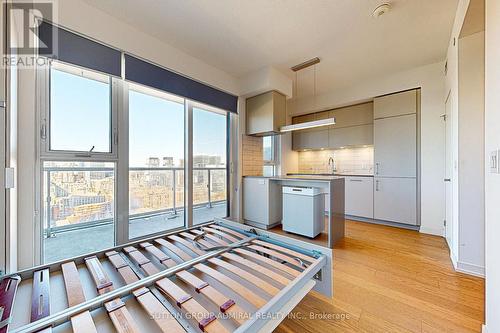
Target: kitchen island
(262,201)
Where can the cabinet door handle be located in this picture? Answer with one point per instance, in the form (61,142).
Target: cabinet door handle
(376,185)
(355,180)
(376,168)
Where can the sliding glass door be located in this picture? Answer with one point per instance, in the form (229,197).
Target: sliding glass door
(156,162)
(209,164)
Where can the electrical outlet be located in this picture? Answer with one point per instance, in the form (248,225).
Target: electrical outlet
(494,167)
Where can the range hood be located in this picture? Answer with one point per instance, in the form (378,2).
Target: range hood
(307,125)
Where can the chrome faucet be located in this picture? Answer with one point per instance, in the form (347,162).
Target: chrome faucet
(332,164)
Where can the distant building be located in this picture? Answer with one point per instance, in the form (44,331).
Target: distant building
(168,162)
(153,162)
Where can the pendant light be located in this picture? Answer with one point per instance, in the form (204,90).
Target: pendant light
(309,124)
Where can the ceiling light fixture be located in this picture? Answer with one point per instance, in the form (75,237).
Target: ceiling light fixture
(309,124)
(381,10)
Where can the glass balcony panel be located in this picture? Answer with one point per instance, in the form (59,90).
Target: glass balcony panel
(78,208)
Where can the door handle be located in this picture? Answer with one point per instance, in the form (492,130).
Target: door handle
(376,185)
(376,168)
(447,179)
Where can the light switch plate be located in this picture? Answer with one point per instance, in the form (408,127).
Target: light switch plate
(494,167)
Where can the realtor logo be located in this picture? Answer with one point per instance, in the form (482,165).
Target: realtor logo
(25,19)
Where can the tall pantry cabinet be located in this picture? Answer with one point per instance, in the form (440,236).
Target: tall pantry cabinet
(396,157)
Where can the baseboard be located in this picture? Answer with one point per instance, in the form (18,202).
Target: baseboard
(381,222)
(484,329)
(454,260)
(432,231)
(470,269)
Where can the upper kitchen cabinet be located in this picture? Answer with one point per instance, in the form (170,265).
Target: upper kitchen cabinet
(361,114)
(395,142)
(353,127)
(398,104)
(350,136)
(265,114)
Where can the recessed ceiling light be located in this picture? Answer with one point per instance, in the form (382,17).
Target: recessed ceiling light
(381,10)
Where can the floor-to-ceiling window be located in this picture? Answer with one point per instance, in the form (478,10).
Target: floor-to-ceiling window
(113,158)
(209,164)
(156,162)
(77,178)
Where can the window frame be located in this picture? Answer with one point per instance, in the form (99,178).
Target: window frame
(46,153)
(119,154)
(275,159)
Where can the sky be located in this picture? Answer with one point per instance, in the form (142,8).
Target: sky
(80,119)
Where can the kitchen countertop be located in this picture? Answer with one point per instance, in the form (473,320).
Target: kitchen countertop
(300,177)
(330,174)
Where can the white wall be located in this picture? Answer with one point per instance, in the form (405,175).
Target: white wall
(492,181)
(471,154)
(431,79)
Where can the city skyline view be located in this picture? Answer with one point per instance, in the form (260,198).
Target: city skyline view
(83,192)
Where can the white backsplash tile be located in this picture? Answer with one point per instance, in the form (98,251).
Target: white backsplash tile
(348,160)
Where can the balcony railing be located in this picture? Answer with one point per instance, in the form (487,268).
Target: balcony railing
(207,199)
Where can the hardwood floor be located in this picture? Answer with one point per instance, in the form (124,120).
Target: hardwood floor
(392,280)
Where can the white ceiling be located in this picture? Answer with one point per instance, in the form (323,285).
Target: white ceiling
(241,36)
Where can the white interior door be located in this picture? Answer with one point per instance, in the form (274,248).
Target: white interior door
(448,172)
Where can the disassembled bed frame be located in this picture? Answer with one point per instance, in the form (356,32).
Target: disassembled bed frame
(211,278)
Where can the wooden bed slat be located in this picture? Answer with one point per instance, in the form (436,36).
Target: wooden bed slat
(140,259)
(211,237)
(179,252)
(220,233)
(187,244)
(203,242)
(237,287)
(258,268)
(225,304)
(277,255)
(74,290)
(158,254)
(8,290)
(206,322)
(264,285)
(117,311)
(268,261)
(228,230)
(83,322)
(40,295)
(286,251)
(156,311)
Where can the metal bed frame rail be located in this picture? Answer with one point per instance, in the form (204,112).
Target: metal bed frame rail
(257,322)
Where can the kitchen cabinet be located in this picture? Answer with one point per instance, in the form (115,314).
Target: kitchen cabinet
(350,136)
(310,139)
(360,114)
(265,114)
(262,204)
(354,127)
(359,196)
(398,104)
(395,200)
(395,146)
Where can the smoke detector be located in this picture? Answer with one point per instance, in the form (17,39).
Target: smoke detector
(381,10)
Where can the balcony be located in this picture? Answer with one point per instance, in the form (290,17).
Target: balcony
(156,205)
